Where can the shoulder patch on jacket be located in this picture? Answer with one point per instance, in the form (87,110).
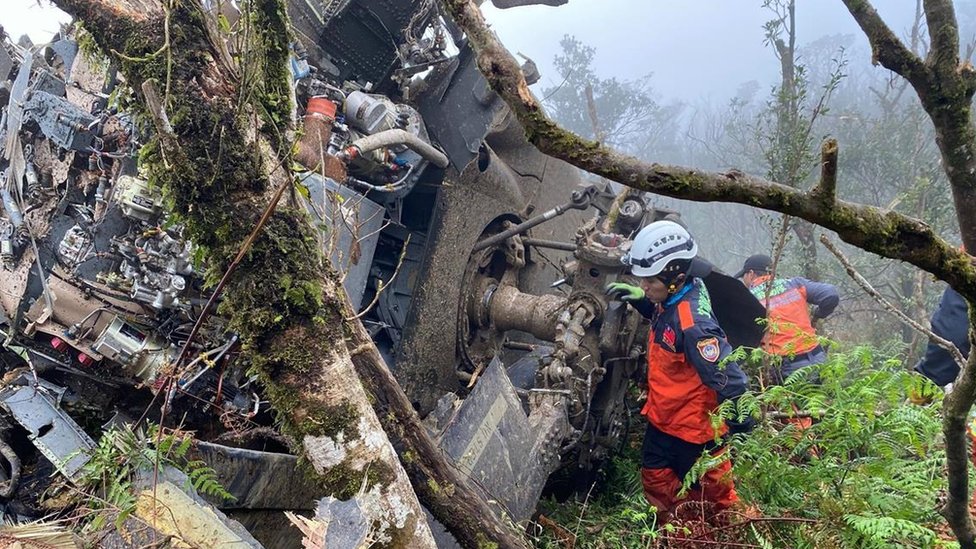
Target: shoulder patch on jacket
(709,349)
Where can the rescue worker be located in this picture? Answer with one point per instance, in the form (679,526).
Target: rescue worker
(951,322)
(686,376)
(789,333)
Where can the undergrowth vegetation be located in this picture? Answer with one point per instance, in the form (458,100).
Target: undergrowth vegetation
(111,478)
(866,473)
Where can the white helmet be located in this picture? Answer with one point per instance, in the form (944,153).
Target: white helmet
(661,247)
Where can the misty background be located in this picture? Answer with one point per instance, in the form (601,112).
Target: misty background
(700,83)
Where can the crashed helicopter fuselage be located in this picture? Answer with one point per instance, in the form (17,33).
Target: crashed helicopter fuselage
(477,263)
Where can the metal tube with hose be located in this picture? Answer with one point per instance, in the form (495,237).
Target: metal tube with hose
(388,138)
(580,201)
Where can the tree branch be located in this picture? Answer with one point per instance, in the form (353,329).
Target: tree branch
(886,48)
(867,287)
(157,111)
(826,188)
(886,233)
(955,420)
(940,17)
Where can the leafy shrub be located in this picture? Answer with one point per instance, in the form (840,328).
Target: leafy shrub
(869,470)
(867,473)
(121,453)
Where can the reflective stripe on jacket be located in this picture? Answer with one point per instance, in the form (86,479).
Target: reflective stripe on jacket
(685,380)
(790,330)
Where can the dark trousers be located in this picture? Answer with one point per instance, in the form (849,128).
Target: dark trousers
(666,459)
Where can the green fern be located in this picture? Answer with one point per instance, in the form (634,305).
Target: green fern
(885,532)
(123,452)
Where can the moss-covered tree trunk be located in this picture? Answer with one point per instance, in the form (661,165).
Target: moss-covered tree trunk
(220,154)
(945,85)
(219,157)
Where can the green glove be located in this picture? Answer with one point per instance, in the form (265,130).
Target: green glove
(624,292)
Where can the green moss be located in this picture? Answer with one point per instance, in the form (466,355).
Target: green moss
(484,543)
(344,483)
(273,32)
(329,421)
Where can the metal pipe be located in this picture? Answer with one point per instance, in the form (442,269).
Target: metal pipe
(511,309)
(551,244)
(397,136)
(11,207)
(580,201)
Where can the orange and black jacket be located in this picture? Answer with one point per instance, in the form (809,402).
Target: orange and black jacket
(790,330)
(687,374)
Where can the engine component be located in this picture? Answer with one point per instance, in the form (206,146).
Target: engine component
(75,246)
(6,241)
(370,113)
(154,268)
(141,353)
(394,138)
(580,200)
(386,144)
(137,200)
(60,121)
(11,207)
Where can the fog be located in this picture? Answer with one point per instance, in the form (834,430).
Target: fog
(699,55)
(701,49)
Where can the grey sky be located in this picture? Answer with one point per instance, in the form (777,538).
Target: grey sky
(696,49)
(40,22)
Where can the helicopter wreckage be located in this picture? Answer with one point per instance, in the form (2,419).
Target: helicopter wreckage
(477,265)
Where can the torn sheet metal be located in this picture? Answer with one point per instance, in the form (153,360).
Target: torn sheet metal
(258,480)
(493,442)
(174,509)
(355,221)
(51,430)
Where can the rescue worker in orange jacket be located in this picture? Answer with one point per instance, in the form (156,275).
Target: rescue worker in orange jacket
(686,376)
(790,333)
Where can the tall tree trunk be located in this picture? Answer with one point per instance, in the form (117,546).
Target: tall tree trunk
(222,148)
(788,157)
(945,85)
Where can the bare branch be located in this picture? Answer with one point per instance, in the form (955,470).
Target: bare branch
(826,188)
(157,111)
(888,306)
(955,421)
(886,48)
(591,109)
